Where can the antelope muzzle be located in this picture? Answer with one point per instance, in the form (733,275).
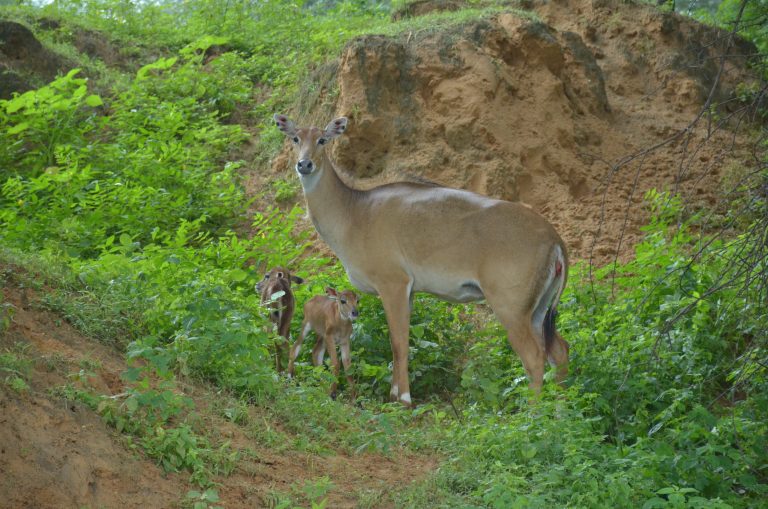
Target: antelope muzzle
(305,166)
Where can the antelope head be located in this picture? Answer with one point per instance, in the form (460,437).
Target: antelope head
(310,142)
(347,301)
(277,279)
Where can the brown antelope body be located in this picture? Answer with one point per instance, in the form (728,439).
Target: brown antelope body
(399,239)
(331,317)
(276,295)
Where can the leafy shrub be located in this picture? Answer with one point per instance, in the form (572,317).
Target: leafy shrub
(157,168)
(44,125)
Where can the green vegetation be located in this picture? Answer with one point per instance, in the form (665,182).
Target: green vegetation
(15,368)
(125,198)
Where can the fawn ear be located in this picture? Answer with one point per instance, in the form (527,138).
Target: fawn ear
(331,292)
(297,280)
(285,124)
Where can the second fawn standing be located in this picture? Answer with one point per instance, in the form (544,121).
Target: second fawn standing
(331,317)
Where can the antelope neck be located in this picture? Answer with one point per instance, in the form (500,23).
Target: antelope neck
(330,203)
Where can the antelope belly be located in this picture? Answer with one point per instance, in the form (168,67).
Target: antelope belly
(450,289)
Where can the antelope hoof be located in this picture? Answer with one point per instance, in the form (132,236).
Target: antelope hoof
(333,395)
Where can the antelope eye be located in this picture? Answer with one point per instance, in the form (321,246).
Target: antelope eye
(321,141)
(343,301)
(295,139)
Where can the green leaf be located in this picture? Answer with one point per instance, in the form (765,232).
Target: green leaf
(211,495)
(132,374)
(17,103)
(131,405)
(529,452)
(654,502)
(94,100)
(160,64)
(237,275)
(22,126)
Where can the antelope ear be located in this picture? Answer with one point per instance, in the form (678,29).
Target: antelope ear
(331,292)
(285,124)
(297,280)
(335,128)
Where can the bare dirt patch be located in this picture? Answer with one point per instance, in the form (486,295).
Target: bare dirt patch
(24,61)
(55,453)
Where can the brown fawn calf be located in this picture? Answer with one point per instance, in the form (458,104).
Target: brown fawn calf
(331,317)
(276,295)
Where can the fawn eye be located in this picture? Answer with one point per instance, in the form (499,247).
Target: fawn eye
(295,139)
(321,141)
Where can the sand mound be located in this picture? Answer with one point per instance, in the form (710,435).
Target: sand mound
(542,111)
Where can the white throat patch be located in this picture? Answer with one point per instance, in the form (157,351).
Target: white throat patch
(309,182)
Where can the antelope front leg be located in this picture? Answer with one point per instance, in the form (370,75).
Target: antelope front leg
(330,346)
(346,360)
(281,344)
(279,354)
(396,301)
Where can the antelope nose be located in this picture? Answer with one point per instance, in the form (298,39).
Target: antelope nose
(305,166)
(354,313)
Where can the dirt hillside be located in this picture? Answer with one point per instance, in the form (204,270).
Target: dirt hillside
(542,111)
(57,453)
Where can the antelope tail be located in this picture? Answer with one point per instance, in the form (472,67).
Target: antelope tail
(545,313)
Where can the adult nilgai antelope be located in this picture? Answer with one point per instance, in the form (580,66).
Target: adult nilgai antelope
(398,239)
(331,317)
